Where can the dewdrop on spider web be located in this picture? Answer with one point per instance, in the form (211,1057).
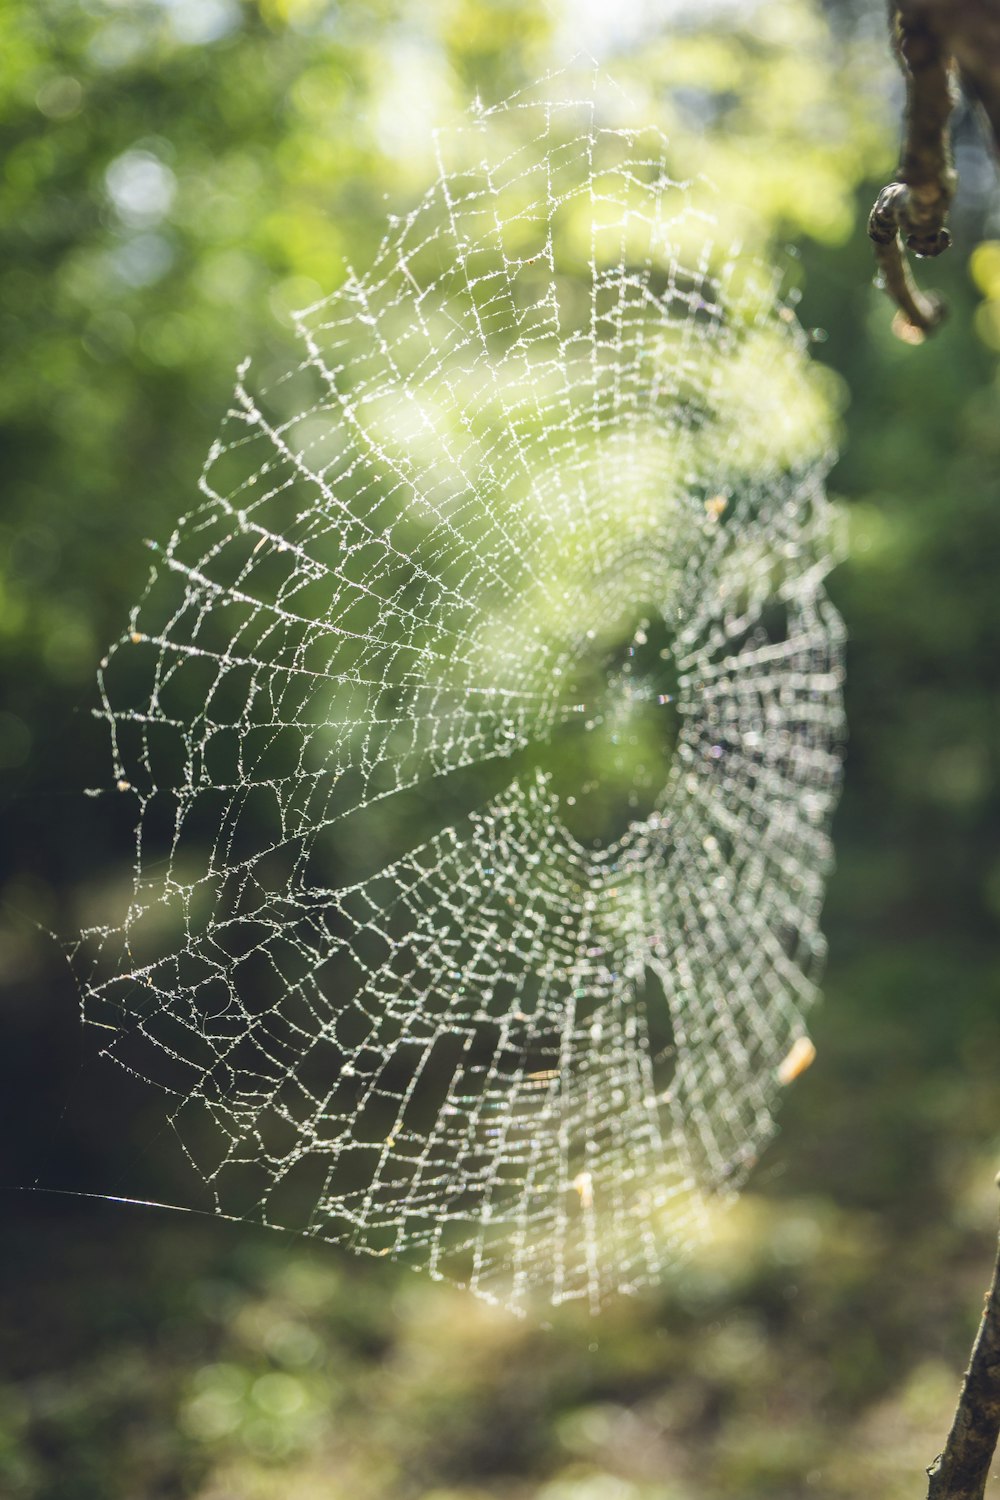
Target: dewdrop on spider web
(484,726)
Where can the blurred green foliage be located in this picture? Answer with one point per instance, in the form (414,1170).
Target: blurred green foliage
(177,175)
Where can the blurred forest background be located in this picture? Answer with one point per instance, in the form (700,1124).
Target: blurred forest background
(176,176)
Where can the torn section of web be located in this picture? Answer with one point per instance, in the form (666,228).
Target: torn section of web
(542,499)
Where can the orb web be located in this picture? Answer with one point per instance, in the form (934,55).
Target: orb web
(483,724)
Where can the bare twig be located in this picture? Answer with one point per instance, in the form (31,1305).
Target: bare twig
(912,211)
(923,311)
(961,1471)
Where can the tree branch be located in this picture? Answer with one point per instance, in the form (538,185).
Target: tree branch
(923,311)
(961,1471)
(912,210)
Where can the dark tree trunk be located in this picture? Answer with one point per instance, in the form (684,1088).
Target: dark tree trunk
(961,1471)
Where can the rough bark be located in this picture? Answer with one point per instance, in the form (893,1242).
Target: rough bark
(938,42)
(961,1471)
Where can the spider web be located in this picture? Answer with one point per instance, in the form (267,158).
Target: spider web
(484,726)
